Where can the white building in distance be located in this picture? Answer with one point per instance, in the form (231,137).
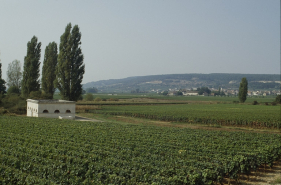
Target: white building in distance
(51,108)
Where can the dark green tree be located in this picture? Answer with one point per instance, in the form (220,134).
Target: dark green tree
(278,99)
(243,90)
(179,93)
(165,93)
(203,90)
(2,87)
(2,83)
(49,69)
(70,68)
(31,71)
(0,70)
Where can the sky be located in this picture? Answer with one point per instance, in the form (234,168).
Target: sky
(142,37)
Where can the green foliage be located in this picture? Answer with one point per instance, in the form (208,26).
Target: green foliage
(219,93)
(14,103)
(98,99)
(49,69)
(165,93)
(70,67)
(2,87)
(0,70)
(40,95)
(14,74)
(89,97)
(273,103)
(31,71)
(203,90)
(13,90)
(278,99)
(45,95)
(35,95)
(48,151)
(2,83)
(179,93)
(255,102)
(243,90)
(80,97)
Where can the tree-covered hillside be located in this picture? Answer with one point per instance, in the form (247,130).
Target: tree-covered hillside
(187,81)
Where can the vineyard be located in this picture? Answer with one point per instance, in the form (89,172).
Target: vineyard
(207,114)
(49,151)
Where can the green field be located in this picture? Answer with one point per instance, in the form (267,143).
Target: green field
(50,151)
(155,96)
(259,116)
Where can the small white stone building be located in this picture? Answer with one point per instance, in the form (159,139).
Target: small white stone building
(51,108)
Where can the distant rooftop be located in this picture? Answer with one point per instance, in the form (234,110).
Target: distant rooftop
(49,101)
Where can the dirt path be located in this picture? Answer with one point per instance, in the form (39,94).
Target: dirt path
(80,118)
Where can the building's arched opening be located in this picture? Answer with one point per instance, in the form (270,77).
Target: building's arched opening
(45,111)
(57,111)
(67,111)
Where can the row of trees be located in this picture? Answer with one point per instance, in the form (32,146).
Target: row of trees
(63,70)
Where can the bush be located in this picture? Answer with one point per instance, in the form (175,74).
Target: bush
(235,101)
(103,99)
(13,90)
(89,97)
(113,99)
(3,111)
(35,95)
(97,99)
(266,103)
(14,104)
(46,96)
(273,103)
(80,97)
(255,103)
(278,99)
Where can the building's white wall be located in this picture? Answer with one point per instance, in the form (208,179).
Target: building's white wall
(35,109)
(56,106)
(32,109)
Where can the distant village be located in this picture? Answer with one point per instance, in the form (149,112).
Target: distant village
(214,92)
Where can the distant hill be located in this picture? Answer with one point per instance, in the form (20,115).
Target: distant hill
(186,81)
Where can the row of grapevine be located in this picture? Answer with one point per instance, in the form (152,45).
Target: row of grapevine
(242,116)
(49,151)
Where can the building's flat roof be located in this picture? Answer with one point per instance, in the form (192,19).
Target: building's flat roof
(50,101)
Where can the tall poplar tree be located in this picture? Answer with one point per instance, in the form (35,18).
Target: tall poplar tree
(0,70)
(31,71)
(70,67)
(14,74)
(49,69)
(243,90)
(2,83)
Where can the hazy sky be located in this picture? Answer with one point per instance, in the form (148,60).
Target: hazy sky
(142,37)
